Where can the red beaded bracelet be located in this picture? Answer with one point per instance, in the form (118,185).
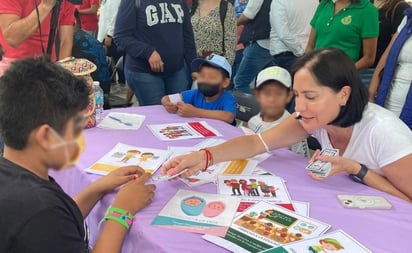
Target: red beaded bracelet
(209,158)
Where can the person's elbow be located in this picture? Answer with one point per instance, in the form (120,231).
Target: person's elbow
(11,39)
(228,117)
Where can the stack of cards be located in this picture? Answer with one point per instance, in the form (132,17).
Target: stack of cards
(321,168)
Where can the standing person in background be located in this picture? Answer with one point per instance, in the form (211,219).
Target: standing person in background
(157,38)
(349,25)
(394,89)
(290,29)
(255,38)
(240,6)
(107,20)
(25,28)
(390,16)
(214,28)
(88,16)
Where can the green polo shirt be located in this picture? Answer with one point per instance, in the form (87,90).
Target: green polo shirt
(347,28)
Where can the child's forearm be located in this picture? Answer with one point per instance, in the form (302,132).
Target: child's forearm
(216,114)
(111,239)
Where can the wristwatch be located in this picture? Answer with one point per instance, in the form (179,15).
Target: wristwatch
(361,174)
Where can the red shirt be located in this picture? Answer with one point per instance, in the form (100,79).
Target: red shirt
(89,21)
(32,46)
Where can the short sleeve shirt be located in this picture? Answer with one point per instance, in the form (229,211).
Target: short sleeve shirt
(347,28)
(379,139)
(89,21)
(33,45)
(36,215)
(225,102)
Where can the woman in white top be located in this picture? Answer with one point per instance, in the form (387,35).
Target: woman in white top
(332,104)
(402,78)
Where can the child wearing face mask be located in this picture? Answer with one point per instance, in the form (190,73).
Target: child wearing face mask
(210,100)
(36,214)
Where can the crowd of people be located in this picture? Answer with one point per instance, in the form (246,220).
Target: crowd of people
(345,65)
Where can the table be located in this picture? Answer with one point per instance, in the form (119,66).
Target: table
(382,231)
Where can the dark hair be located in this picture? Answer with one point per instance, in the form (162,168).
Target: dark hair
(334,69)
(35,91)
(225,74)
(193,7)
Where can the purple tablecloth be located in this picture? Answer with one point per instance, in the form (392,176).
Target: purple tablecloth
(381,231)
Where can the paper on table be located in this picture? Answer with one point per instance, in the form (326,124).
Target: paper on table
(337,240)
(122,121)
(301,207)
(125,155)
(264,226)
(251,188)
(183,131)
(198,212)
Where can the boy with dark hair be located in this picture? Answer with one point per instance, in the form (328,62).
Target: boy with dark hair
(210,100)
(46,132)
(273,92)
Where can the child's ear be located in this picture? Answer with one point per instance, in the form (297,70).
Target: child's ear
(226,83)
(290,96)
(42,136)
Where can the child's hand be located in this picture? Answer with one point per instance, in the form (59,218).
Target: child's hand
(119,177)
(186,110)
(169,106)
(135,195)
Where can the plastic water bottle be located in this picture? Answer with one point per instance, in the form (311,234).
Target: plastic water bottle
(99,97)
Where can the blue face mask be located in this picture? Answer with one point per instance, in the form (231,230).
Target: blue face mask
(208,90)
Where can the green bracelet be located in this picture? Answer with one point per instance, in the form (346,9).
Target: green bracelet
(119,215)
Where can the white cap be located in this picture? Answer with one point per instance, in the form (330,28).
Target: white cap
(274,73)
(96,83)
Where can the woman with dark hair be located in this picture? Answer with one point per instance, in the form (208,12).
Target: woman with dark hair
(214,28)
(331,104)
(349,25)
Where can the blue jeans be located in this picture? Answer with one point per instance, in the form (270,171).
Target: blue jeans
(255,58)
(366,76)
(149,89)
(284,60)
(235,67)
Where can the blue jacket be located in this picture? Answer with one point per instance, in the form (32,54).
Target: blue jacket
(161,25)
(389,71)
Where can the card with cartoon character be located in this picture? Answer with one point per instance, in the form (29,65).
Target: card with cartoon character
(252,188)
(338,241)
(198,212)
(125,155)
(264,226)
(183,131)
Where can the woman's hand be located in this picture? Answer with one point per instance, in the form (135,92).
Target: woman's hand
(339,165)
(119,177)
(135,195)
(193,162)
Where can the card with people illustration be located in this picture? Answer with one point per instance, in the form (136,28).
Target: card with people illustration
(183,131)
(198,212)
(338,241)
(124,155)
(264,226)
(251,188)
